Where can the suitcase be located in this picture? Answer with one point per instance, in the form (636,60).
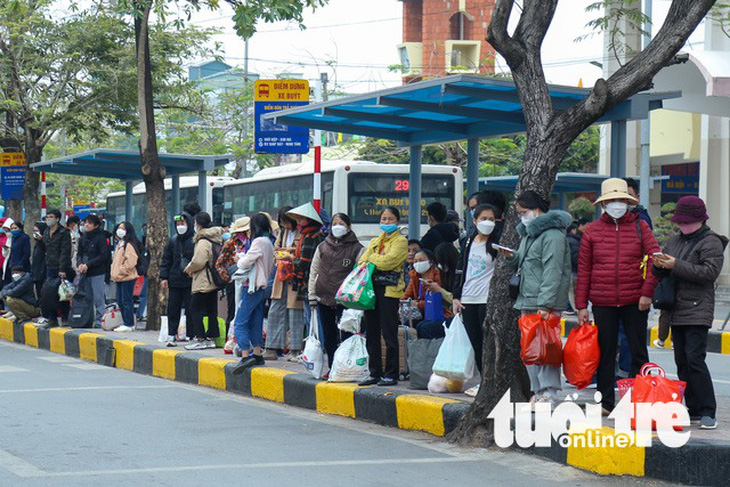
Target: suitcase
(406,334)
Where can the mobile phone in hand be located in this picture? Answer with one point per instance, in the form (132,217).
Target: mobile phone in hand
(502,247)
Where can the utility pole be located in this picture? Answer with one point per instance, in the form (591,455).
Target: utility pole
(246,118)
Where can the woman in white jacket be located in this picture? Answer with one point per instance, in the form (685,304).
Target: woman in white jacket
(255,268)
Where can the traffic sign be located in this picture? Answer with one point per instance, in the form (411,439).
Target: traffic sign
(271,95)
(12,174)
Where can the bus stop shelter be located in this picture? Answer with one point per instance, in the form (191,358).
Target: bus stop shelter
(126,165)
(455,108)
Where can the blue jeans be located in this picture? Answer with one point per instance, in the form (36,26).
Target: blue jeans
(142,300)
(125,300)
(249,324)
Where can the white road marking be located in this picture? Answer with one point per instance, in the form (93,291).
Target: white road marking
(90,388)
(18,466)
(58,359)
(11,368)
(86,366)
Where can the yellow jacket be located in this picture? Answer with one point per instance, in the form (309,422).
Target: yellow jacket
(394,253)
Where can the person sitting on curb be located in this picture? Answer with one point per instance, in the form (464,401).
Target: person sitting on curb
(19,297)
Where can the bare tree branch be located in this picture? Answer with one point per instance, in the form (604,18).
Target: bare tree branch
(498,36)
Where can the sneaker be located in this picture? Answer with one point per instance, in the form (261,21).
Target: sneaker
(123,329)
(210,343)
(658,343)
(10,317)
(7,314)
(245,363)
(694,419)
(237,350)
(183,338)
(708,423)
(171,343)
(196,345)
(472,391)
(370,381)
(293,356)
(270,354)
(388,381)
(41,321)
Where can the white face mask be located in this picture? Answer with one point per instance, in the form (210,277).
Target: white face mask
(485,227)
(121,232)
(17,276)
(339,231)
(181,229)
(422,267)
(616,209)
(528,217)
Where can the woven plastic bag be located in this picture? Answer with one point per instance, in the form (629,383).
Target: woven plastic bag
(350,363)
(356,291)
(581,355)
(455,359)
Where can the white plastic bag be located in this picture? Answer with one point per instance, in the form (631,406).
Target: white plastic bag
(66,290)
(163,329)
(455,359)
(442,385)
(350,363)
(313,355)
(350,321)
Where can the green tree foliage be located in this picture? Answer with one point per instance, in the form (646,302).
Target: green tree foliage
(581,207)
(663,226)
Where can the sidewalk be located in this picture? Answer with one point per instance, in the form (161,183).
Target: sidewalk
(705,460)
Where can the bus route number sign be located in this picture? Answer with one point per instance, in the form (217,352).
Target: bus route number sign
(272,95)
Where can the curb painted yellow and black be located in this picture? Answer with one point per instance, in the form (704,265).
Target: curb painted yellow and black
(697,463)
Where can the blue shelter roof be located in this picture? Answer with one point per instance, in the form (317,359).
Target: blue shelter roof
(565,182)
(445,109)
(126,165)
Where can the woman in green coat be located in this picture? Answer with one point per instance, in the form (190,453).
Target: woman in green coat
(544,262)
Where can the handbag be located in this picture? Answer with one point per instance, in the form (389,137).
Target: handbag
(516,279)
(433,307)
(386,278)
(665,293)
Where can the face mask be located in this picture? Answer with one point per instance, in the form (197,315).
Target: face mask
(181,229)
(16,233)
(226,236)
(485,227)
(422,267)
(339,231)
(121,232)
(527,218)
(689,228)
(241,237)
(389,228)
(51,222)
(616,209)
(17,276)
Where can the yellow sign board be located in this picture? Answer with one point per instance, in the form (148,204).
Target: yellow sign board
(12,159)
(281,90)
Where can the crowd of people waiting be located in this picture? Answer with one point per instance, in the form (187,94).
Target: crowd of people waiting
(291,267)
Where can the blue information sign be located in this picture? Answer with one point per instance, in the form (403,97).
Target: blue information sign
(275,95)
(13,179)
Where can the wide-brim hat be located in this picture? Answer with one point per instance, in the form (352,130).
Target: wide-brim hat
(690,209)
(615,189)
(274,226)
(243,224)
(307,211)
(8,221)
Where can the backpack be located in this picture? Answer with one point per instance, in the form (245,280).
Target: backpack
(215,277)
(82,307)
(143,262)
(49,301)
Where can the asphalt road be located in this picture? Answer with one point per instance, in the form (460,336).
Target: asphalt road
(69,422)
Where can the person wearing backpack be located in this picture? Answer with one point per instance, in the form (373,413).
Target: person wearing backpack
(124,272)
(92,260)
(177,255)
(206,281)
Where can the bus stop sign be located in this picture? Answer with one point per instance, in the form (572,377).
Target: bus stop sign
(271,95)
(13,175)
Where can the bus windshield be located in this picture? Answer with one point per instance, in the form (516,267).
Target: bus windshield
(369,193)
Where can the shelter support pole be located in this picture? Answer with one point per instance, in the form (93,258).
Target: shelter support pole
(128,185)
(414,194)
(618,149)
(176,194)
(563,201)
(472,173)
(645,165)
(202,187)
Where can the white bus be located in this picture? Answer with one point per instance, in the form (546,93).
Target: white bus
(115,209)
(357,188)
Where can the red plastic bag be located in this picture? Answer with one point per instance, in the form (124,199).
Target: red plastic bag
(581,355)
(138,285)
(540,343)
(284,271)
(652,389)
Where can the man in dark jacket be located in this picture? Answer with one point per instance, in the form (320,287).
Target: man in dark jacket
(694,259)
(177,255)
(440,230)
(18,295)
(93,260)
(38,261)
(643,213)
(57,240)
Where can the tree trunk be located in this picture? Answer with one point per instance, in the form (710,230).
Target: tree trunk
(503,369)
(31,188)
(152,172)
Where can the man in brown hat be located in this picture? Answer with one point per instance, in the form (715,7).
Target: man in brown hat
(612,275)
(693,259)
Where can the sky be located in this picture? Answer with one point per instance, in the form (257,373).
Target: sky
(354,41)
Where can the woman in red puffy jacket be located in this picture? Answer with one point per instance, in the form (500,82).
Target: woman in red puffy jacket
(612,275)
